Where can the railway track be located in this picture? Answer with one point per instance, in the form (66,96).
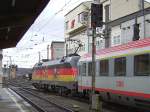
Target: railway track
(40,102)
(68,102)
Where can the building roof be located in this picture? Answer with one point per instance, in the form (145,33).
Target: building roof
(77,6)
(57,42)
(16,16)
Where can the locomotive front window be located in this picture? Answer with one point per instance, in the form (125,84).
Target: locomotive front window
(142,65)
(104,67)
(67,65)
(120,66)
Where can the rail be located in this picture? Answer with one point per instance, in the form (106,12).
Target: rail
(39,102)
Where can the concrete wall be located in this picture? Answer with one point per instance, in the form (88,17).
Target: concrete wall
(120,8)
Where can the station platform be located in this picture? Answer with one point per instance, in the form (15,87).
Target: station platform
(11,102)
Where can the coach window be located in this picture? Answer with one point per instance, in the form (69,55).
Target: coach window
(79,69)
(84,69)
(104,67)
(120,66)
(142,65)
(90,69)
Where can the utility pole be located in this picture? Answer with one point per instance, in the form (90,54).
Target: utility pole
(93,58)
(143,13)
(47,51)
(96,21)
(66,48)
(10,67)
(39,56)
(142,8)
(93,25)
(10,60)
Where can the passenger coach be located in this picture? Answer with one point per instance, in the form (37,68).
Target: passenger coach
(122,73)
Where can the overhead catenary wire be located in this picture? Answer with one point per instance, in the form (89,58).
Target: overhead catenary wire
(51,18)
(54,15)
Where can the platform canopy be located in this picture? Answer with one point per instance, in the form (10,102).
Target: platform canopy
(16,16)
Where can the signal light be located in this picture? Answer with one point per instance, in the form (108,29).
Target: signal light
(96,15)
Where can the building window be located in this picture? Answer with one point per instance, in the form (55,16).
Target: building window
(136,32)
(84,69)
(72,23)
(97,43)
(120,66)
(80,70)
(104,67)
(90,47)
(100,43)
(107,13)
(142,65)
(83,17)
(67,25)
(116,40)
(90,69)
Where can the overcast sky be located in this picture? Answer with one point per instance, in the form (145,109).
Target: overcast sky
(49,26)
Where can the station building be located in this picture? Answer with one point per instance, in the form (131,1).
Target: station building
(119,18)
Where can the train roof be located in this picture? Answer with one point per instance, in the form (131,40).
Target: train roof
(131,48)
(65,59)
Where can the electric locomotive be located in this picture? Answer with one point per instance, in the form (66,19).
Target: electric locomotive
(122,74)
(59,75)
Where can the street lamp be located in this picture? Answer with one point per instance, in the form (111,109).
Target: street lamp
(47,52)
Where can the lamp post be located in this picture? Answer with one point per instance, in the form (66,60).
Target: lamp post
(10,65)
(47,51)
(39,56)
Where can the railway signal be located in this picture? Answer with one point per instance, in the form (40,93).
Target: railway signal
(96,15)
(96,21)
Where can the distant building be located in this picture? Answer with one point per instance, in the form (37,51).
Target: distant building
(1,72)
(57,49)
(1,57)
(120,18)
